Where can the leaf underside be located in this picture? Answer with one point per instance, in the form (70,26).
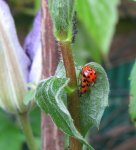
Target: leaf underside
(49,96)
(94,102)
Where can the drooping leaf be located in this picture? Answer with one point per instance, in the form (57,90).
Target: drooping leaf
(50,96)
(132,105)
(94,102)
(99,18)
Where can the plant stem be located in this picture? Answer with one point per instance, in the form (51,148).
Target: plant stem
(26,127)
(73,99)
(52,137)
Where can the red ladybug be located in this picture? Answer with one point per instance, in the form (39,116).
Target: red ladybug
(88,78)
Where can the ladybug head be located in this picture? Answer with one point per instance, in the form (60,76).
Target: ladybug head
(87,68)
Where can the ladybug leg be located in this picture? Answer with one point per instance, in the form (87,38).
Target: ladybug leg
(94,81)
(92,84)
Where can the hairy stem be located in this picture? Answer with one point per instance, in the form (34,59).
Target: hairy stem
(73,99)
(26,127)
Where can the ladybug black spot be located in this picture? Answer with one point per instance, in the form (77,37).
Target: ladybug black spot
(93,80)
(88,77)
(83,86)
(84,80)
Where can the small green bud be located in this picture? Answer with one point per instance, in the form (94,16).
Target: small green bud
(62,13)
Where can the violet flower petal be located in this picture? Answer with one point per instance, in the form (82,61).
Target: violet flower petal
(32,40)
(32,46)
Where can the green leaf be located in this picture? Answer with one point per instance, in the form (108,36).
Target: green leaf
(10,136)
(50,96)
(132,105)
(99,18)
(94,102)
(29,96)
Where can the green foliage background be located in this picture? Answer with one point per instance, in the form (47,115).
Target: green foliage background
(11,135)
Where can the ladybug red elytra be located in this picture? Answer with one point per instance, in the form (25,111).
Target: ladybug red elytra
(88,78)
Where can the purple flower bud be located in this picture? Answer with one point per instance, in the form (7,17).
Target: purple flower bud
(14,64)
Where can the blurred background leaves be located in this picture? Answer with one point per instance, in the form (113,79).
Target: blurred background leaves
(99,19)
(11,136)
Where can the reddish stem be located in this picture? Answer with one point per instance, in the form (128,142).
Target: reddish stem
(52,138)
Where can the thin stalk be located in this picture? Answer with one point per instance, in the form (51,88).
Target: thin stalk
(26,127)
(73,99)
